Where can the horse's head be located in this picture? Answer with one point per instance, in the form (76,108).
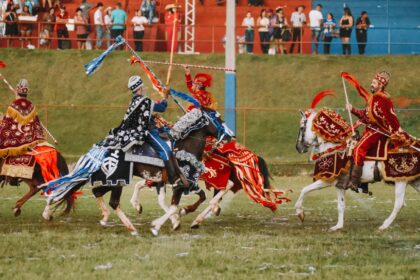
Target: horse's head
(306,137)
(217,127)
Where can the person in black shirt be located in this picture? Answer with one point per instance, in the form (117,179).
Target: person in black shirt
(362,25)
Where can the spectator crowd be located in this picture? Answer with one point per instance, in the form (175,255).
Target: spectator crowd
(96,26)
(275,29)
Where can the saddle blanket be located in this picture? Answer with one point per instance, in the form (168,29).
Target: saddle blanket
(18,166)
(144,154)
(328,168)
(114,171)
(401,166)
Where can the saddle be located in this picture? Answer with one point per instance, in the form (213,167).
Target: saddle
(144,154)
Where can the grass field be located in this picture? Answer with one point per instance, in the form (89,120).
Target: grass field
(245,242)
(270,92)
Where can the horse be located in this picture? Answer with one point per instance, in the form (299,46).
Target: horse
(307,138)
(36,180)
(233,184)
(189,141)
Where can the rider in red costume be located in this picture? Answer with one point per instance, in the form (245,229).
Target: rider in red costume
(378,116)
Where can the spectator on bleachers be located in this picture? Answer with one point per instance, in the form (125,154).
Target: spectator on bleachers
(255,3)
(248,22)
(346,27)
(85,7)
(26,28)
(148,9)
(28,4)
(315,22)
(298,20)
(61,19)
(327,34)
(98,21)
(107,23)
(11,19)
(263,23)
(138,22)
(81,24)
(48,21)
(280,26)
(119,21)
(362,25)
(44,5)
(35,7)
(171,18)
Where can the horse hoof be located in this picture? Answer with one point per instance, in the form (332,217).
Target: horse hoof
(134,233)
(17,211)
(154,231)
(182,212)
(176,226)
(140,209)
(382,228)
(103,223)
(216,210)
(195,225)
(334,228)
(47,217)
(301,216)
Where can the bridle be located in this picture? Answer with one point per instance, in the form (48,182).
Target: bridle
(302,131)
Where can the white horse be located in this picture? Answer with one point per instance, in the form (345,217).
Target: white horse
(306,139)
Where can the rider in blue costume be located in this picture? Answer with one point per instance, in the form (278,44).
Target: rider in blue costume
(138,126)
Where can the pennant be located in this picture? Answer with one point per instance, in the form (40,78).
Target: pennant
(352,80)
(96,63)
(157,84)
(184,97)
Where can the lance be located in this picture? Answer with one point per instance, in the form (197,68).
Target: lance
(42,125)
(386,134)
(347,103)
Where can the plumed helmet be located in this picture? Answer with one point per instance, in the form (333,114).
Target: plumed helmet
(22,87)
(383,78)
(134,83)
(203,79)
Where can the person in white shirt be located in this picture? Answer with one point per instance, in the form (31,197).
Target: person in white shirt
(263,23)
(138,22)
(98,20)
(298,20)
(107,24)
(315,22)
(249,23)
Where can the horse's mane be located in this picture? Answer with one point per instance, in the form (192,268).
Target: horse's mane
(331,126)
(191,121)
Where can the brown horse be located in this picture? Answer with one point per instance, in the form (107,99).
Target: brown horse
(193,143)
(36,180)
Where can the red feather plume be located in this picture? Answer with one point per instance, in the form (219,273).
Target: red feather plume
(320,95)
(2,64)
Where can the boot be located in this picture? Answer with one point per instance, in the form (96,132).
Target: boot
(170,171)
(356,174)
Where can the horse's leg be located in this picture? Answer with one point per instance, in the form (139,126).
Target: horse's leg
(399,203)
(157,224)
(191,208)
(69,205)
(216,207)
(215,200)
(317,185)
(341,204)
(32,191)
(114,202)
(176,222)
(134,198)
(104,210)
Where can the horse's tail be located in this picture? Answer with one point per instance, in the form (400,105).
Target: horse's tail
(62,164)
(265,172)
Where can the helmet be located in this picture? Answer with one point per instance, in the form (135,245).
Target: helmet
(134,83)
(203,80)
(22,87)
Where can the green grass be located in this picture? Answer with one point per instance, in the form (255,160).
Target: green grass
(281,85)
(245,242)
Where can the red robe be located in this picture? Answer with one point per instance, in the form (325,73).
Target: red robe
(378,115)
(20,129)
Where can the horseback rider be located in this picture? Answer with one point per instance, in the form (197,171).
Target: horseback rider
(138,126)
(198,88)
(378,116)
(20,128)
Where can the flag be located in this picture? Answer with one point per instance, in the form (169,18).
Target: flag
(94,65)
(184,97)
(352,80)
(157,84)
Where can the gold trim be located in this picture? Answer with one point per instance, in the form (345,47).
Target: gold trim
(19,171)
(23,120)
(381,167)
(16,151)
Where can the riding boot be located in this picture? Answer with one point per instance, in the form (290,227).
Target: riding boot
(356,175)
(170,171)
(343,180)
